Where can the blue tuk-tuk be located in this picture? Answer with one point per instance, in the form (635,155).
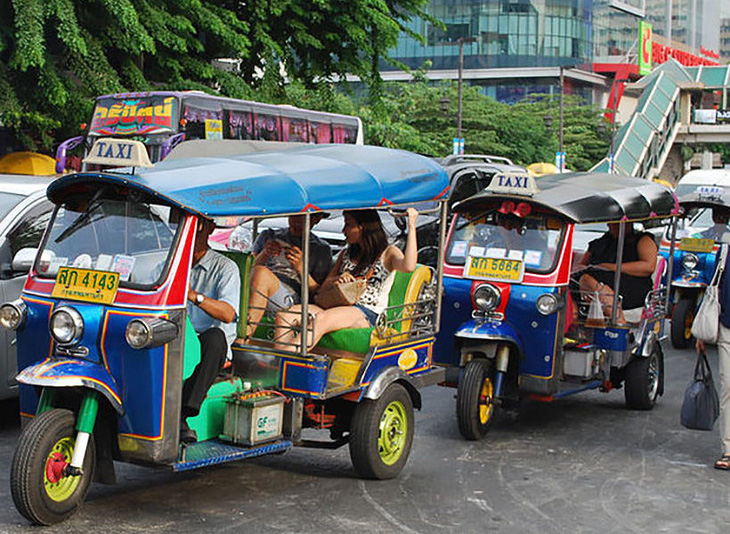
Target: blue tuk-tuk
(701,230)
(516,323)
(104,341)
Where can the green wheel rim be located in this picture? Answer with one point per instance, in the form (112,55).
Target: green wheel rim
(393,432)
(64,487)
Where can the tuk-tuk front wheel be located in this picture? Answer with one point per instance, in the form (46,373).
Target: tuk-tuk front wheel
(681,327)
(643,380)
(475,407)
(41,490)
(382,433)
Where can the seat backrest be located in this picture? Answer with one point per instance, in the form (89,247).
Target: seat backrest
(244,261)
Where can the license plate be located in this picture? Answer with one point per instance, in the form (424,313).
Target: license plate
(86,285)
(508,270)
(693,244)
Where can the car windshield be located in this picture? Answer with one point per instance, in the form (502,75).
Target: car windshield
(132,238)
(8,201)
(534,239)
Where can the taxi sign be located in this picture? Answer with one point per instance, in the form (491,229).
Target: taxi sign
(693,244)
(118,153)
(513,184)
(709,192)
(99,287)
(497,269)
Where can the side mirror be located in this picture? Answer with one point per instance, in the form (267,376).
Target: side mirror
(23,259)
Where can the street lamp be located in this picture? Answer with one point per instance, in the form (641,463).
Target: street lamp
(560,120)
(461,42)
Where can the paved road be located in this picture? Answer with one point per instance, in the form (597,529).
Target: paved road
(583,464)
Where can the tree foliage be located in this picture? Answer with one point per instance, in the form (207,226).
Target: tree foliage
(57,55)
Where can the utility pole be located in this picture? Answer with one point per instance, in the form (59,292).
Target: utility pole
(560,121)
(461,42)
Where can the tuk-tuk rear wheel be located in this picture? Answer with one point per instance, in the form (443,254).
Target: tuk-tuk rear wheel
(381,434)
(41,491)
(681,327)
(643,380)
(475,407)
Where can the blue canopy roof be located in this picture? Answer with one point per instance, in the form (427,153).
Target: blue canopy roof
(294,180)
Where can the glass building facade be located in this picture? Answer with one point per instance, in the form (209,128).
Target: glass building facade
(531,34)
(506,33)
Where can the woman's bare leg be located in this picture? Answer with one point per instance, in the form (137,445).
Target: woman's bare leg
(590,284)
(325,321)
(264,283)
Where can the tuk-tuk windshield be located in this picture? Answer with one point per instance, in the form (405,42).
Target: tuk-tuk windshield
(535,239)
(700,224)
(131,237)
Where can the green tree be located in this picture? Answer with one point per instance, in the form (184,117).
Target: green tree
(56,55)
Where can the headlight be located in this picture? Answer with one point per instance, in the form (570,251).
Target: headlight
(487,297)
(149,332)
(689,261)
(12,314)
(548,303)
(67,326)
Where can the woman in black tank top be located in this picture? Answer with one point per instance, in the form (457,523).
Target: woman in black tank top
(637,266)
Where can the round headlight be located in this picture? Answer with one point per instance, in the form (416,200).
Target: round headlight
(689,261)
(138,334)
(548,303)
(67,326)
(12,314)
(486,297)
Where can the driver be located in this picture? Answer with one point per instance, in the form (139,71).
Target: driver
(213,301)
(637,266)
(719,228)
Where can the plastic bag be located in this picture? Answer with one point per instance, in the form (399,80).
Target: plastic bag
(701,405)
(596,319)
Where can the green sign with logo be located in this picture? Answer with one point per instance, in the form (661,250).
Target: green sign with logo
(645,39)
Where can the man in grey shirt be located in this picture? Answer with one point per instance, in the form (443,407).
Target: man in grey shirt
(213,304)
(275,278)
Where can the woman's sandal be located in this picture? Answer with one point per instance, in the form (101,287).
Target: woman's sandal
(723,462)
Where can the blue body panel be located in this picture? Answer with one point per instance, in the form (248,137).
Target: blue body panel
(697,279)
(303,377)
(133,380)
(307,177)
(418,353)
(534,334)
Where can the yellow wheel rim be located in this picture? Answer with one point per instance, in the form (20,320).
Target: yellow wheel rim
(486,406)
(688,320)
(58,486)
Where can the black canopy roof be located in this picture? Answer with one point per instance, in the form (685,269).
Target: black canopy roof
(589,197)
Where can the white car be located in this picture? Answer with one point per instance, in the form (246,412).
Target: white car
(24,215)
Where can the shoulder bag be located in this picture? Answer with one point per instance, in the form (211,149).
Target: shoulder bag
(343,293)
(707,321)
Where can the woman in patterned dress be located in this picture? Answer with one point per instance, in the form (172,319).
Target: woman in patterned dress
(367,255)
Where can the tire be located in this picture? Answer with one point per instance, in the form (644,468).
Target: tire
(475,407)
(381,434)
(644,379)
(50,436)
(681,327)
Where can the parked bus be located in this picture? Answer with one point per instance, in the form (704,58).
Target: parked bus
(162,119)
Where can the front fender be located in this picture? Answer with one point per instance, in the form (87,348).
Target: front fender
(392,374)
(57,373)
(490,331)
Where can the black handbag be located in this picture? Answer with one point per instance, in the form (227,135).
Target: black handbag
(701,405)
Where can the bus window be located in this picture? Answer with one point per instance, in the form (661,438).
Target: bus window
(321,132)
(295,129)
(344,133)
(240,124)
(195,118)
(267,127)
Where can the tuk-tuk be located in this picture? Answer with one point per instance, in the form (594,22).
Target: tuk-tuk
(701,229)
(104,341)
(517,325)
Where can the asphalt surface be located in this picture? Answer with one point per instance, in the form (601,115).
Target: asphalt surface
(582,464)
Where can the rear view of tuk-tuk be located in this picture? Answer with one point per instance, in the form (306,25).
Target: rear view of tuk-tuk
(518,323)
(104,341)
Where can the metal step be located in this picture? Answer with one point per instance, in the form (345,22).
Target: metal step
(213,452)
